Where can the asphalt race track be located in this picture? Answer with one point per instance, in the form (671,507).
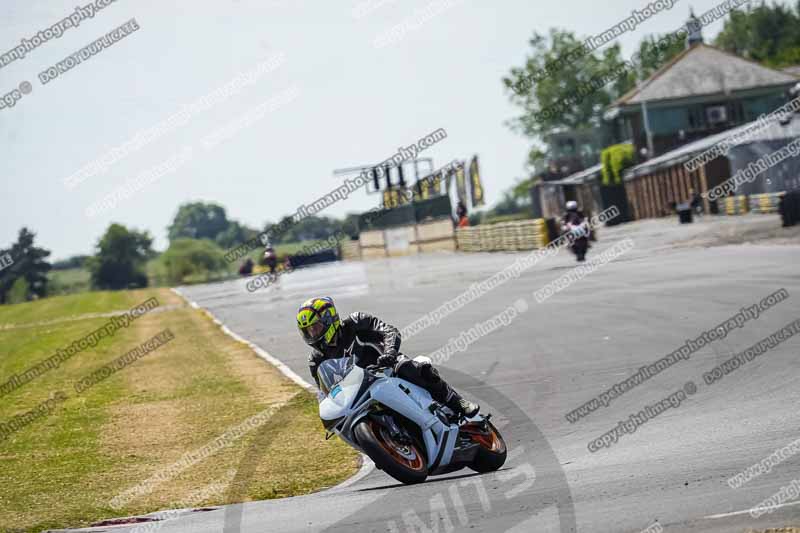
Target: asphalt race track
(549,360)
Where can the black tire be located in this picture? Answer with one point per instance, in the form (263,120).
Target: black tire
(580,247)
(492,452)
(388,455)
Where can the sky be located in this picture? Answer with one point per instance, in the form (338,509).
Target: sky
(327,84)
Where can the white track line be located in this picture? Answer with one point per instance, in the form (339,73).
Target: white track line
(366,463)
(737,513)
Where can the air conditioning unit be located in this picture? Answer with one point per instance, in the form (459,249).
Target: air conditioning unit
(717,114)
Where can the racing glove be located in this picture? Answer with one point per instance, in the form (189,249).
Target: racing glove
(387,359)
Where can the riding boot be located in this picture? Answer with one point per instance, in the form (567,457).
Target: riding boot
(446,395)
(427,376)
(461,406)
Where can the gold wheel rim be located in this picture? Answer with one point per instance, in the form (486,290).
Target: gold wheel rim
(407,455)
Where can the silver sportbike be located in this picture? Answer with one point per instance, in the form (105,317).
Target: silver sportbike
(400,427)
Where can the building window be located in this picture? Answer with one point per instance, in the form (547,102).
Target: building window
(717,115)
(566,147)
(736,112)
(697,117)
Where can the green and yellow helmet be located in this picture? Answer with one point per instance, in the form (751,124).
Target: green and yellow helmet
(318,322)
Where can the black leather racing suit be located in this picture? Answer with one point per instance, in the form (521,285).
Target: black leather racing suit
(574,218)
(365,338)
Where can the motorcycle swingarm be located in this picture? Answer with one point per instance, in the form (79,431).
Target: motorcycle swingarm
(465,449)
(464,454)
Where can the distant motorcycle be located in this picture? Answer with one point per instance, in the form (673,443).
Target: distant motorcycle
(399,426)
(579,235)
(270,259)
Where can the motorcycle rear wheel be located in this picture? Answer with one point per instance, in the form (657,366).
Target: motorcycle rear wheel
(492,452)
(403,461)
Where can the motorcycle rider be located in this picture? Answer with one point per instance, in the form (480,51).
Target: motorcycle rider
(270,259)
(573,215)
(574,218)
(370,341)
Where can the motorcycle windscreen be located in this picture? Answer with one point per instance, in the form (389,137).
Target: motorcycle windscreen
(332,371)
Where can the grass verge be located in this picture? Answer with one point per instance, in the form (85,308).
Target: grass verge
(63,468)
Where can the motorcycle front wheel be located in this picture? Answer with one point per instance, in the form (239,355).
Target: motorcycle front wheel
(403,461)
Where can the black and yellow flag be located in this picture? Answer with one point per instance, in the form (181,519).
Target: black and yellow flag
(478,198)
(461,184)
(428,187)
(436,183)
(395,197)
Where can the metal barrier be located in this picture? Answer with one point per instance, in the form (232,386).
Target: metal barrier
(504,236)
(324,256)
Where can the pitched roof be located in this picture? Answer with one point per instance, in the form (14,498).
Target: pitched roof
(579,178)
(773,131)
(704,70)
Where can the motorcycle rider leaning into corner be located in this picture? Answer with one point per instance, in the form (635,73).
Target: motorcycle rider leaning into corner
(370,341)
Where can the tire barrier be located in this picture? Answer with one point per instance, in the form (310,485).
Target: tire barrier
(735,205)
(504,236)
(350,250)
(765,203)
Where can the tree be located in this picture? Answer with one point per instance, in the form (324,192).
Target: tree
(19,291)
(29,265)
(350,224)
(508,205)
(655,52)
(537,160)
(769,34)
(120,258)
(234,234)
(192,258)
(615,159)
(75,261)
(309,228)
(199,220)
(560,89)
(521,191)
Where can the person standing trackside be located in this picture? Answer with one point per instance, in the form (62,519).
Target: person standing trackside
(461,215)
(695,202)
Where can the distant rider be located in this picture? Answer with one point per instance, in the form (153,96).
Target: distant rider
(270,259)
(573,215)
(247,267)
(574,223)
(370,341)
